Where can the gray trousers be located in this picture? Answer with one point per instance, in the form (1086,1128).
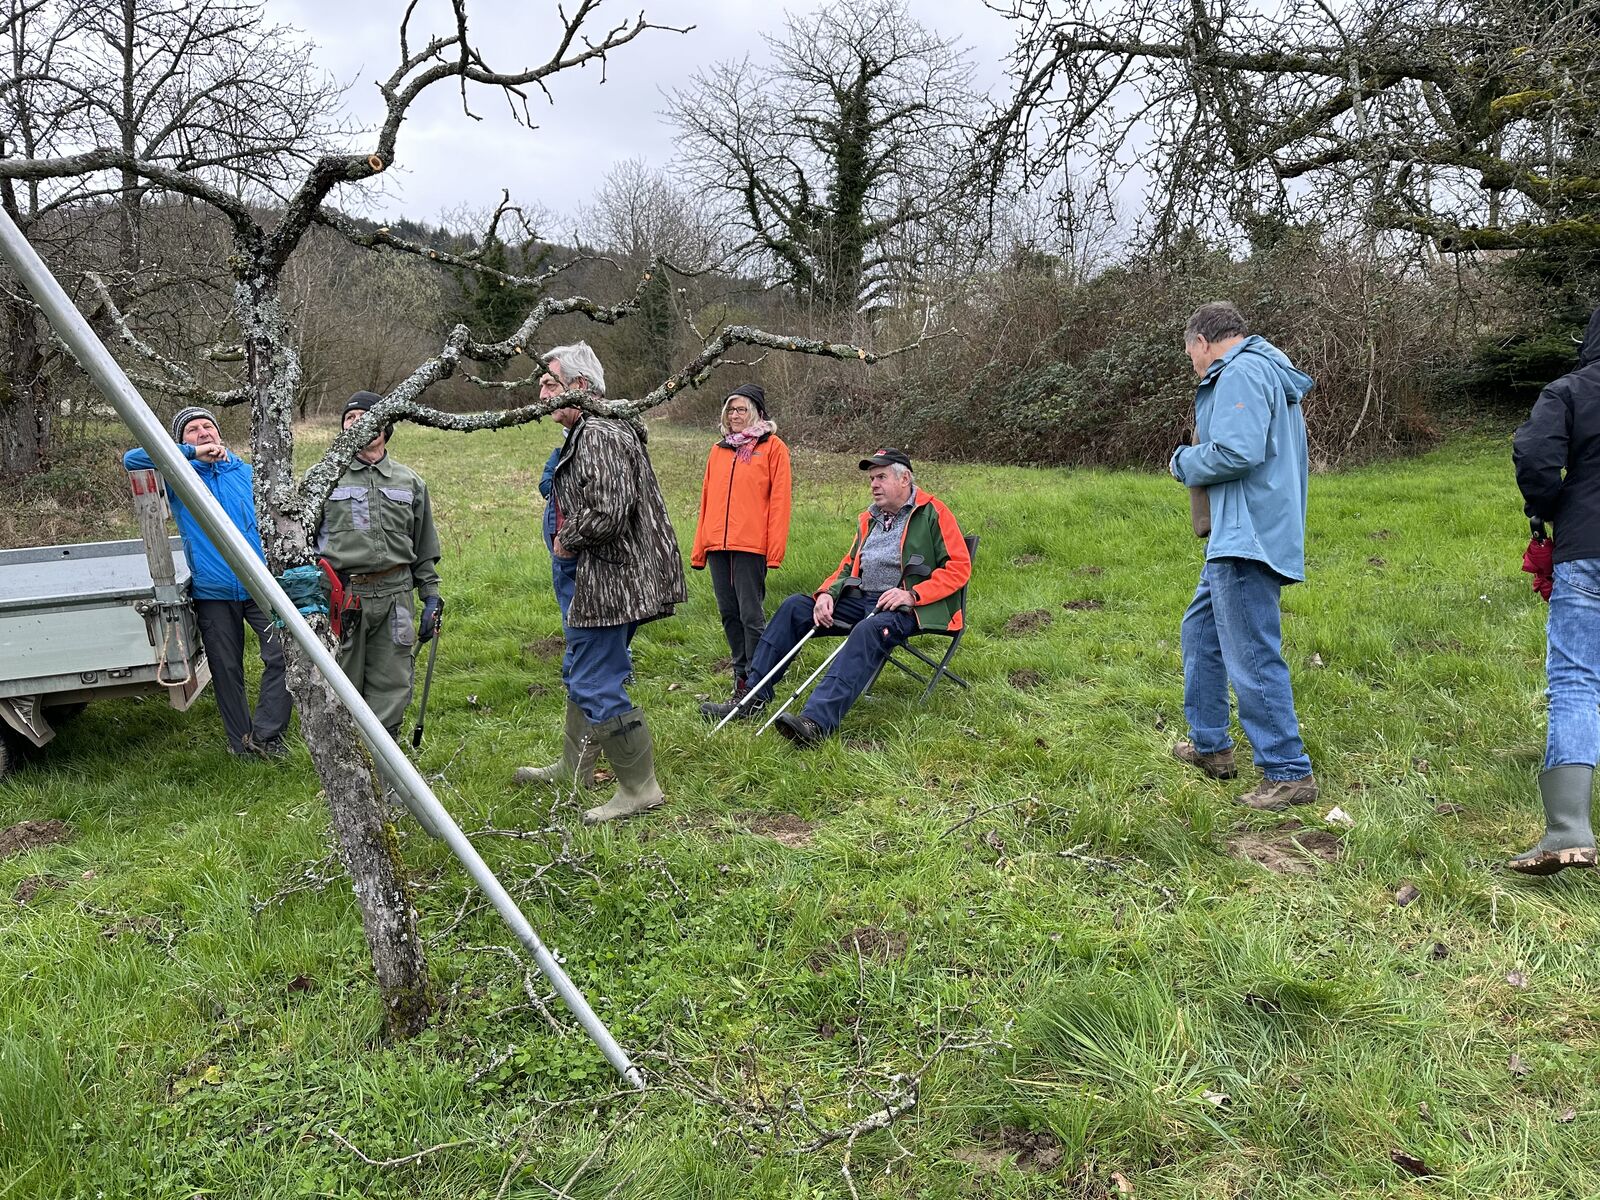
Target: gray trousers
(739,580)
(222,625)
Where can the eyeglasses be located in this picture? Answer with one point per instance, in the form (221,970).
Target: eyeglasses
(738,409)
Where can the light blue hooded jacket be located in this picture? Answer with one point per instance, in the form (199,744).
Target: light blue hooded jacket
(1250,456)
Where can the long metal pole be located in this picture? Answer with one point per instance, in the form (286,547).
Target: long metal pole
(750,694)
(115,385)
(795,695)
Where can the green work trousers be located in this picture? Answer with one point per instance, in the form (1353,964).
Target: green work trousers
(378,653)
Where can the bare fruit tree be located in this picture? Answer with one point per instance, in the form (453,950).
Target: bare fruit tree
(829,161)
(289,509)
(1470,123)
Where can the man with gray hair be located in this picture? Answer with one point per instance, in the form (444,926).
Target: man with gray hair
(1249,456)
(614,563)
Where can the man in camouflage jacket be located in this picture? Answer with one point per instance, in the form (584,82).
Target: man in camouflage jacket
(615,564)
(377,533)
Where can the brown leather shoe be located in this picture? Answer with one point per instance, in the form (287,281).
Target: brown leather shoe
(1219,765)
(1270,795)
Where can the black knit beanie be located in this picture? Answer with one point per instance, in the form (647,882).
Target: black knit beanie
(754,393)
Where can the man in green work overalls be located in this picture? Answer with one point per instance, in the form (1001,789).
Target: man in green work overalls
(377,533)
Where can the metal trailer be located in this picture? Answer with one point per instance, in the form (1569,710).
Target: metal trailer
(93,622)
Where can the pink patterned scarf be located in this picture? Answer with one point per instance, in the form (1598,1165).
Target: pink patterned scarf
(743,444)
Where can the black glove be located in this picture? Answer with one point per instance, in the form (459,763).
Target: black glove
(432,612)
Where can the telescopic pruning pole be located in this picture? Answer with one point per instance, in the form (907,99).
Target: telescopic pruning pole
(427,686)
(265,590)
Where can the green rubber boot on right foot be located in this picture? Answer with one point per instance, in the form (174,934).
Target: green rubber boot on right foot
(631,752)
(580,751)
(1569,838)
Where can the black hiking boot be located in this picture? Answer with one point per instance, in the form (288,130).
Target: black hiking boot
(713,710)
(800,729)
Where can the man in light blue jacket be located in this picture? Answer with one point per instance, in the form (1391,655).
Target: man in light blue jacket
(222,607)
(1249,454)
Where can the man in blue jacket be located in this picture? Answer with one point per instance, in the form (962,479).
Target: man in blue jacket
(1249,454)
(222,607)
(1557,458)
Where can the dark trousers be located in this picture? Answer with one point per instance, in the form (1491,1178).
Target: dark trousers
(739,580)
(222,625)
(866,648)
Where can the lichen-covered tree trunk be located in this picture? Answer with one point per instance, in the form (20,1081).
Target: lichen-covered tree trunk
(366,840)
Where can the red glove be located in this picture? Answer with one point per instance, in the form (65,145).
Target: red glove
(1537,560)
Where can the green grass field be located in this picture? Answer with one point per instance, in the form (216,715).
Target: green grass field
(798,935)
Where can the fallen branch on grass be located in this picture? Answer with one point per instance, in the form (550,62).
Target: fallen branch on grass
(386,1163)
(313,877)
(534,1000)
(1076,854)
(984,812)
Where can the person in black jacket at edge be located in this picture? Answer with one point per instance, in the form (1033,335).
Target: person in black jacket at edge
(1557,456)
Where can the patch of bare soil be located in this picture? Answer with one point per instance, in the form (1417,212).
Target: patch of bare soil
(30,835)
(1084,605)
(33,885)
(869,942)
(1035,1152)
(1290,849)
(1027,560)
(784,828)
(545,647)
(1029,622)
(1091,570)
(1026,679)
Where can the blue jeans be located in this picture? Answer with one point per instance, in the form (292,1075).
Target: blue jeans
(1233,632)
(866,648)
(1572,665)
(596,664)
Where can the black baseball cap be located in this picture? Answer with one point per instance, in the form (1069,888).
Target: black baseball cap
(886,457)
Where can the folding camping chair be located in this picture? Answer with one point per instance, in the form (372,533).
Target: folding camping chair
(941,666)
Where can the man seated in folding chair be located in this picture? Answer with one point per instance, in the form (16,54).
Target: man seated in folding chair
(904,573)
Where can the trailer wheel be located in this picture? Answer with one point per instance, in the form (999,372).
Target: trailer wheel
(8,756)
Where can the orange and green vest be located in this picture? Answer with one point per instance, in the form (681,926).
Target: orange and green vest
(931,532)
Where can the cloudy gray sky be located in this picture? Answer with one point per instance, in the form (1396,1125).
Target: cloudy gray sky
(447,160)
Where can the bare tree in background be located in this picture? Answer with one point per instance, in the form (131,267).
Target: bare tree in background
(640,215)
(203,88)
(858,132)
(289,510)
(1472,122)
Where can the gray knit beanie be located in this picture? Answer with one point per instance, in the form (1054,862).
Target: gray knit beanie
(187,415)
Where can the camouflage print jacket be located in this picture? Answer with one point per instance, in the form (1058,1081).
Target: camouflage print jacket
(379,518)
(613,518)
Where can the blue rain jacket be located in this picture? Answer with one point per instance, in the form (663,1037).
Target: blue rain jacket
(1250,456)
(232,482)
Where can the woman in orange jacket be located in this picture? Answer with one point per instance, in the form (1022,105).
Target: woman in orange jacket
(744,521)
